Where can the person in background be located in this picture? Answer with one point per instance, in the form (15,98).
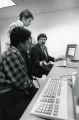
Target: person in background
(16,86)
(40,57)
(25,19)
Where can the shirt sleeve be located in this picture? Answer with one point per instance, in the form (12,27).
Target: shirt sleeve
(17,71)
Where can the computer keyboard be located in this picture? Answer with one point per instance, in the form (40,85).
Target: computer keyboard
(67,63)
(61,63)
(52,102)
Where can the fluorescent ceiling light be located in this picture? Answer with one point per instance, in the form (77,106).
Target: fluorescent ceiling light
(6,3)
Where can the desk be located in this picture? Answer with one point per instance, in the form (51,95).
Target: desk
(56,72)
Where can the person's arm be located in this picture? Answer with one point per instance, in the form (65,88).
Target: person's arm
(58,59)
(17,72)
(51,58)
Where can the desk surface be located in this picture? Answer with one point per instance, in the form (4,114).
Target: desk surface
(56,72)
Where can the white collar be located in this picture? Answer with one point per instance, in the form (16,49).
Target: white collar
(20,22)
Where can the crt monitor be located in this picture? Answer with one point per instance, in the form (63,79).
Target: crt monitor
(72,52)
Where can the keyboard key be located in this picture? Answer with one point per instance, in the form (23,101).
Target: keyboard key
(49,102)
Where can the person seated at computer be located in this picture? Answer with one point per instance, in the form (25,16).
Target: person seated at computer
(16,87)
(40,57)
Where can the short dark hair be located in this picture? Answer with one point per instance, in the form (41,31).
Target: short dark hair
(19,34)
(41,35)
(26,14)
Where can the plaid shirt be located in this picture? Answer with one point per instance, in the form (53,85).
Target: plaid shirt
(13,70)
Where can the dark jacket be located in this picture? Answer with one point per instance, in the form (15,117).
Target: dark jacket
(37,55)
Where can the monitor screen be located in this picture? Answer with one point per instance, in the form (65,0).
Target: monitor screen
(70,51)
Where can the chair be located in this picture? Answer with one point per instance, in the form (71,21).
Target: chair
(39,81)
(36,79)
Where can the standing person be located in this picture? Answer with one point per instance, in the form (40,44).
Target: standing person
(16,86)
(25,19)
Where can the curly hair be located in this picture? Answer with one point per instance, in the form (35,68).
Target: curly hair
(19,34)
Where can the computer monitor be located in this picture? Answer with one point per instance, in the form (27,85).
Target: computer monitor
(72,52)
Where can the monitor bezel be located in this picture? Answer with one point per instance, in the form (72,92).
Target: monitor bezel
(68,47)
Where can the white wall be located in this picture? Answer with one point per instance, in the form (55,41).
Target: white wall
(61,27)
(4,25)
